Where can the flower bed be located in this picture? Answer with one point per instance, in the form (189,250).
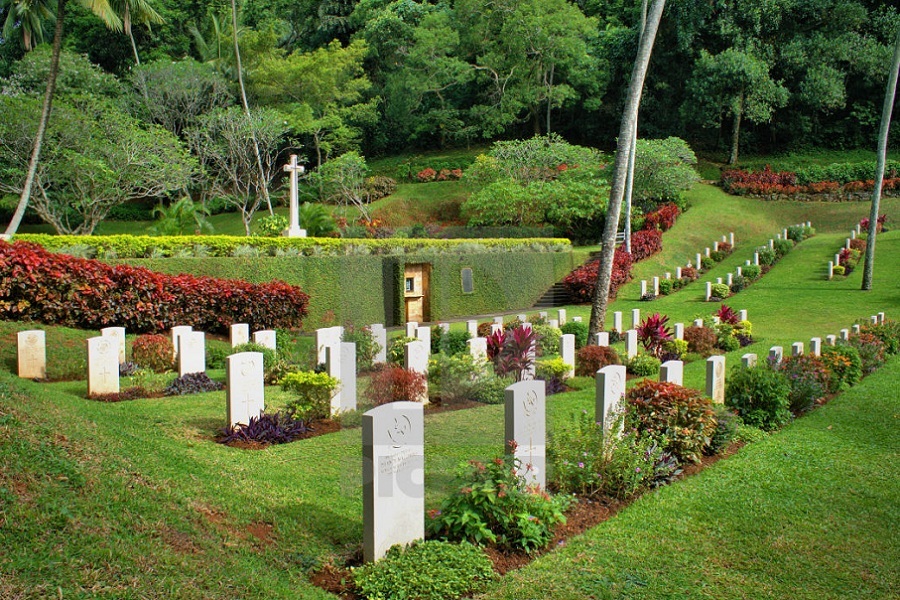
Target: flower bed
(816,183)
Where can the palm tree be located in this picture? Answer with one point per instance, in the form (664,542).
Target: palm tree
(263,184)
(889,94)
(629,180)
(30,16)
(102,9)
(617,191)
(135,11)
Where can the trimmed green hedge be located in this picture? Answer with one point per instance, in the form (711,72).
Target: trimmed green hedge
(369,289)
(144,246)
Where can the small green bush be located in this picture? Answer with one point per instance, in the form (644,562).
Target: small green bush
(216,352)
(782,247)
(809,379)
(457,377)
(451,342)
(719,290)
(888,332)
(766,255)
(707,263)
(427,570)
(718,255)
(547,339)
(552,368)
(644,365)
(665,287)
(760,396)
(838,269)
(871,350)
(751,272)
(396,351)
(727,424)
(271,225)
(738,283)
(749,434)
(366,346)
(493,389)
(677,348)
(579,330)
(313,394)
(494,506)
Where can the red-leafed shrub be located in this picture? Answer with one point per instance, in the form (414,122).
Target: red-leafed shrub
(581,282)
(591,359)
(864,224)
(662,218)
(689,273)
(426,175)
(679,418)
(653,333)
(858,244)
(740,180)
(728,315)
(38,285)
(153,351)
(645,244)
(823,187)
(724,248)
(701,340)
(396,384)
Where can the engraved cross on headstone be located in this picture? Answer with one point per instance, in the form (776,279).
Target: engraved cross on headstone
(295,170)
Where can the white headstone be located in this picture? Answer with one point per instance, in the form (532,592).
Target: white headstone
(478,348)
(847,243)
(102,365)
(677,272)
(340,361)
(31,351)
(771,244)
(708,290)
(239,334)
(561,316)
(748,360)
(706,251)
(873,319)
(498,320)
(815,346)
(191,353)
(393,477)
(715,378)
(631,343)
(444,327)
(856,328)
(567,352)
(295,171)
(831,340)
(715,246)
(698,322)
(379,335)
(415,358)
(756,258)
(716,319)
(742,315)
(244,388)
(699,262)
(740,271)
(635,318)
(784,233)
(729,280)
(668,275)
(731,239)
(412,328)
(719,280)
(601,339)
(679,331)
(496,328)
(845,334)
(852,234)
(776,353)
(576,319)
(881,318)
(472,328)
(522,317)
(423,333)
(326,336)
(656,286)
(176,332)
(617,322)
(797,349)
(119,334)
(267,338)
(837,259)
(672,371)
(643,287)
(610,394)
(526,426)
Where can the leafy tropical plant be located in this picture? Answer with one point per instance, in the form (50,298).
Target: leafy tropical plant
(180,218)
(653,333)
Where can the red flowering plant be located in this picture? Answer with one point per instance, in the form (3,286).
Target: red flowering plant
(653,333)
(727,315)
(581,282)
(516,355)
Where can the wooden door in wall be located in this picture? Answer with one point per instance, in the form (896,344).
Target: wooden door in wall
(417,292)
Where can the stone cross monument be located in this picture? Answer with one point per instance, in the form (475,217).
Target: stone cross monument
(295,170)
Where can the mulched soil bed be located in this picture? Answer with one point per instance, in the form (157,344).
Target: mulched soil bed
(585,514)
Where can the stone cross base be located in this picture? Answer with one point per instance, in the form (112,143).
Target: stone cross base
(294,232)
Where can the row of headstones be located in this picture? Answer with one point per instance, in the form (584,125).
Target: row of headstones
(394,457)
(729,279)
(776,353)
(107,351)
(646,285)
(837,257)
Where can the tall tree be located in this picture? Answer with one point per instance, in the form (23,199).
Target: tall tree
(617,191)
(135,12)
(30,17)
(102,9)
(879,172)
(264,188)
(629,180)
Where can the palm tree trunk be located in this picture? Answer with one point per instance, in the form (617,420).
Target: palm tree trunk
(263,184)
(137,59)
(42,124)
(617,192)
(879,171)
(629,180)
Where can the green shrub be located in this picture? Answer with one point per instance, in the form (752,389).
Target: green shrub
(366,346)
(426,570)
(313,394)
(844,365)
(707,263)
(547,339)
(153,351)
(871,350)
(888,332)
(586,462)
(727,424)
(751,272)
(738,283)
(838,270)
(665,287)
(719,290)
(760,396)
(271,225)
(457,377)
(396,351)
(681,420)
(782,247)
(450,342)
(718,255)
(766,255)
(378,187)
(494,506)
(808,377)
(579,330)
(644,365)
(749,434)
(677,348)
(725,337)
(552,368)
(216,352)
(493,389)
